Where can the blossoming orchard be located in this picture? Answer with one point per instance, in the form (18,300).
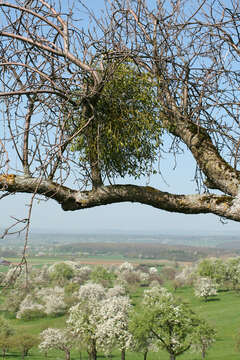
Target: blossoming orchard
(140,316)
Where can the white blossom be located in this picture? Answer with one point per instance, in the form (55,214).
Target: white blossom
(233,271)
(28,305)
(186,276)
(85,269)
(61,339)
(91,292)
(112,330)
(48,301)
(100,318)
(153,295)
(117,290)
(41,276)
(53,299)
(126,267)
(84,317)
(143,276)
(154,283)
(82,274)
(205,287)
(11,275)
(72,264)
(153,270)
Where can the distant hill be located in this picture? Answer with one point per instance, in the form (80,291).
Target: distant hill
(127,245)
(231,245)
(213,241)
(142,250)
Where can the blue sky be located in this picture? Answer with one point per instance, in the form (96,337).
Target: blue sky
(48,215)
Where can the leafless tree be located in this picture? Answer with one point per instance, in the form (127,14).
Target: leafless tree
(190,49)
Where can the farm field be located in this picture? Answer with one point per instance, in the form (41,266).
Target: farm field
(91,260)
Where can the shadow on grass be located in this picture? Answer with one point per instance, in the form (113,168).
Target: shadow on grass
(212,299)
(13,355)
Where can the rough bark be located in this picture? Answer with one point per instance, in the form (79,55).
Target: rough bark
(70,199)
(67,355)
(218,172)
(92,352)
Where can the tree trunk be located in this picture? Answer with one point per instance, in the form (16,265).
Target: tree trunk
(145,355)
(26,352)
(92,140)
(172,357)
(96,175)
(92,352)
(123,354)
(203,352)
(67,354)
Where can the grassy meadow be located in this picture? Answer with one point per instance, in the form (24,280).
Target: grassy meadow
(222,312)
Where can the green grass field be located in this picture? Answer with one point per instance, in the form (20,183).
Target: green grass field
(222,312)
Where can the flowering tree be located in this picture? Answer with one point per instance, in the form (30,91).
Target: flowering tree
(214,269)
(101,319)
(143,340)
(30,309)
(205,287)
(154,295)
(153,270)
(102,276)
(61,339)
(112,330)
(82,274)
(53,299)
(91,293)
(14,299)
(168,323)
(168,272)
(6,331)
(84,317)
(61,272)
(185,276)
(126,266)
(117,290)
(46,301)
(41,276)
(233,271)
(12,274)
(203,337)
(128,276)
(25,342)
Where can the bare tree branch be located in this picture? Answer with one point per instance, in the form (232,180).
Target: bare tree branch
(54,73)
